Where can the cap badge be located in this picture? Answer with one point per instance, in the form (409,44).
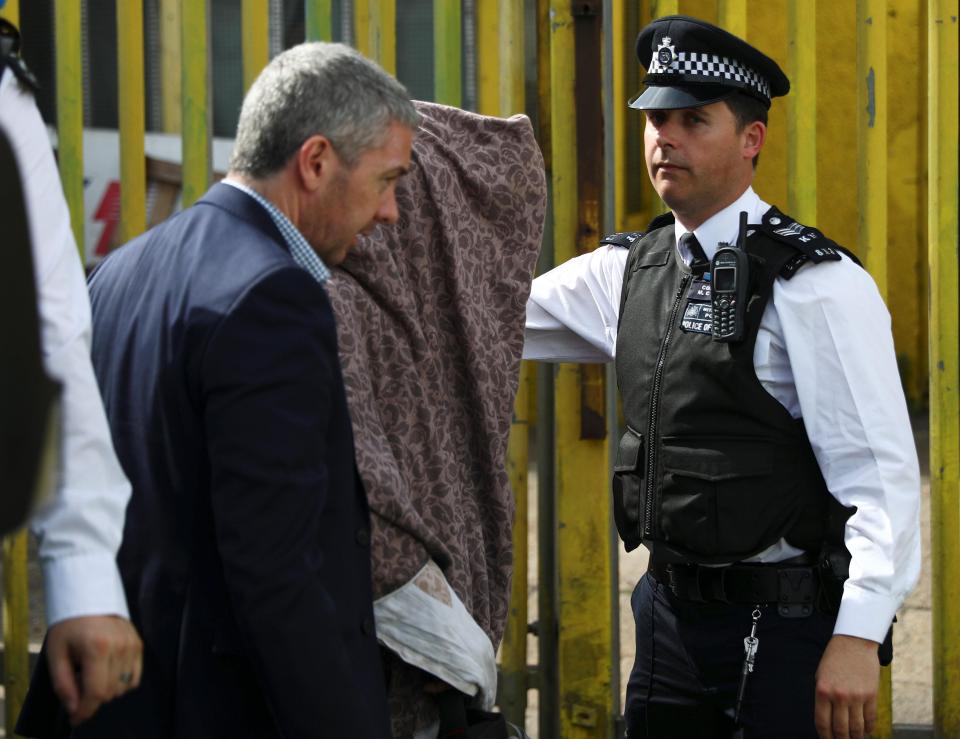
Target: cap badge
(666,54)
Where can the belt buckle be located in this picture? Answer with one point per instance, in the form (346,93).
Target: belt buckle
(712,584)
(797,590)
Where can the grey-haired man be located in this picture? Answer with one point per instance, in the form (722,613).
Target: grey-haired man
(246,556)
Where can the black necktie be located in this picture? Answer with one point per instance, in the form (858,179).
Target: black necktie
(699,261)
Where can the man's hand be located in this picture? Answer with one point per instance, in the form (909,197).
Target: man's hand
(847,681)
(93,659)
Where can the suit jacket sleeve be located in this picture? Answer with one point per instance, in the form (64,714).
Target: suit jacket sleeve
(268,375)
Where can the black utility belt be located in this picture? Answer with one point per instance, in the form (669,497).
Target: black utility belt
(793,588)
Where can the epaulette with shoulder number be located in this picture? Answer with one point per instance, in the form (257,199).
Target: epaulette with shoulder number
(10,56)
(811,244)
(627,239)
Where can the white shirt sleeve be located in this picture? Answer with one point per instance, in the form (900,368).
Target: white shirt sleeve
(79,531)
(836,331)
(572,310)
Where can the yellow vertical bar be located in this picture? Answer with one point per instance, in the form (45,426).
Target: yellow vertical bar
(837,106)
(170,66)
(16,627)
(511,58)
(387,39)
(802,110)
(488,56)
(906,194)
(447,52)
(319,20)
(767,30)
(376,31)
(660,8)
(514,648)
(944,371)
(872,200)
(872,137)
(361,27)
(732,15)
(70,111)
(255,22)
(130,107)
(11,11)
(621,52)
(585,631)
(544,102)
(513,651)
(196,99)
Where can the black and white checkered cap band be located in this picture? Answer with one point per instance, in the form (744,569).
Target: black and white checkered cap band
(694,67)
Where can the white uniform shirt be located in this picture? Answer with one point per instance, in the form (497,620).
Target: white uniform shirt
(825,351)
(79,531)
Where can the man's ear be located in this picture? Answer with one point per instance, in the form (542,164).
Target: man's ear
(753,137)
(315,161)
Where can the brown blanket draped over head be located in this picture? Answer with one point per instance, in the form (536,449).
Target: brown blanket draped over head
(430,316)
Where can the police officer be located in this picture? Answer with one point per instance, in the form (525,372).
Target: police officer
(94,653)
(768,463)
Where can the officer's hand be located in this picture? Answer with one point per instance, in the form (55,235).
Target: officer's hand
(93,659)
(847,681)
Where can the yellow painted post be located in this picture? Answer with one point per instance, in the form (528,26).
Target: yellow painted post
(872,138)
(660,8)
(196,99)
(872,201)
(488,53)
(130,108)
(375,24)
(170,66)
(319,20)
(802,111)
(583,552)
(70,111)
(944,371)
(513,651)
(447,52)
(766,28)
(16,627)
(621,53)
(11,12)
(255,23)
(511,58)
(547,700)
(732,15)
(906,191)
(513,654)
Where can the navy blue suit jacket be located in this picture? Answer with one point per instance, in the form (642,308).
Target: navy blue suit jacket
(245,555)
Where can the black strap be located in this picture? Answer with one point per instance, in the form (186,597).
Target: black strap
(793,588)
(10,56)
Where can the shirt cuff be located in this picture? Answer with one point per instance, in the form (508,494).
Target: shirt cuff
(83,585)
(864,614)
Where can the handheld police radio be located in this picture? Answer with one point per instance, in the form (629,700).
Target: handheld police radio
(730,277)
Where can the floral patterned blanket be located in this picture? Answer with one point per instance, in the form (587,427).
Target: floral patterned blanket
(430,316)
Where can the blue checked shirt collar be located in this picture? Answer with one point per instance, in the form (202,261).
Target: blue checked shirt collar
(300,250)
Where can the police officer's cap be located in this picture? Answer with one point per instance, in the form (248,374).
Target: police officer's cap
(692,63)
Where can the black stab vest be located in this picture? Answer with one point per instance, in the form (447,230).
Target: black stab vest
(712,468)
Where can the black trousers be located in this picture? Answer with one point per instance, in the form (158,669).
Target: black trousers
(689,658)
